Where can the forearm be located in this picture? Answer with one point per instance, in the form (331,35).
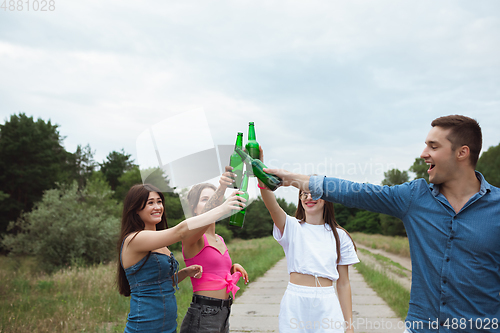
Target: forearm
(345,299)
(182,274)
(269,200)
(277,213)
(300,181)
(390,200)
(291,179)
(215,200)
(192,225)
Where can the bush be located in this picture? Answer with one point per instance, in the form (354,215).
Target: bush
(391,226)
(223,231)
(365,221)
(69,226)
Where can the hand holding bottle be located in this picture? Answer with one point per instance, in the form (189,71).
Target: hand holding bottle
(290,179)
(233,202)
(227,178)
(271,181)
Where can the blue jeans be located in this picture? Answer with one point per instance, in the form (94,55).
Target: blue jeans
(201,318)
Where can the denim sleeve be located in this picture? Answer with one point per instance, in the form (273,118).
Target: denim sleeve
(390,200)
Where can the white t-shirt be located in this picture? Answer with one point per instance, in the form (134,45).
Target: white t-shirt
(311,249)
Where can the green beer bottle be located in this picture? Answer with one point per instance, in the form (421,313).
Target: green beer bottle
(238,217)
(272,182)
(236,162)
(252,145)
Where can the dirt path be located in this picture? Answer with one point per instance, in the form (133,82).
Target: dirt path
(403,276)
(258,308)
(403,261)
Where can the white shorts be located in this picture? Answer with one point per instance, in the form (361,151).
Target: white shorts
(310,309)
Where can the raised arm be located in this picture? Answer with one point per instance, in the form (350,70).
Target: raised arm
(277,213)
(291,179)
(148,240)
(215,201)
(390,200)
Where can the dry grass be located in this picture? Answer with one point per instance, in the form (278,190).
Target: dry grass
(71,300)
(80,299)
(393,244)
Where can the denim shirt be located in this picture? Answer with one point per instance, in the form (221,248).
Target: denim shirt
(455,256)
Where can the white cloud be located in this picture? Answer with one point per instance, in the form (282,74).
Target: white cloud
(349,82)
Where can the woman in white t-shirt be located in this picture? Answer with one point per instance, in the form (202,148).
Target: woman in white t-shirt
(318,253)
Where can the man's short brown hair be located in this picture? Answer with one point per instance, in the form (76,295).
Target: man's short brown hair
(465,131)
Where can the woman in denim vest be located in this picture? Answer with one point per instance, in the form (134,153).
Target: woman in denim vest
(147,270)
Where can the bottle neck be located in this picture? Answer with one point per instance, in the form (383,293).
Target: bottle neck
(251,132)
(239,141)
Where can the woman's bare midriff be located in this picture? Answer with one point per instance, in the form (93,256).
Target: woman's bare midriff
(221,294)
(309,280)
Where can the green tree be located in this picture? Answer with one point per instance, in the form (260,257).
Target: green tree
(420,168)
(258,222)
(3,196)
(390,225)
(395,177)
(126,181)
(489,165)
(365,221)
(156,177)
(116,164)
(32,160)
(84,164)
(344,214)
(69,226)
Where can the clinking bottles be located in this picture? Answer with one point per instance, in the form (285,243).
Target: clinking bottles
(272,182)
(252,145)
(236,162)
(238,218)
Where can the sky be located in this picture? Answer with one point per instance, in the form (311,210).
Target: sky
(341,88)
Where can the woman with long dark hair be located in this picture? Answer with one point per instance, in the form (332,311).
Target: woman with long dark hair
(147,270)
(318,253)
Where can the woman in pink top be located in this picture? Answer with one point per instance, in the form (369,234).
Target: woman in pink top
(211,305)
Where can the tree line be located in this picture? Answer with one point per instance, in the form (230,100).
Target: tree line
(65,207)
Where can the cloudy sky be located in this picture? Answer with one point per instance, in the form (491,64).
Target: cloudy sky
(343,88)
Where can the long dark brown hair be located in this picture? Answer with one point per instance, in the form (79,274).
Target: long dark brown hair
(135,201)
(329,217)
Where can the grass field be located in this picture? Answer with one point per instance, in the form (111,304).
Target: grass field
(394,244)
(396,296)
(80,299)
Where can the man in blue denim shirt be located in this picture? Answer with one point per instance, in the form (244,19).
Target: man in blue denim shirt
(453,227)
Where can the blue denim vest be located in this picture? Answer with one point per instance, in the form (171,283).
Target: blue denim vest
(153,307)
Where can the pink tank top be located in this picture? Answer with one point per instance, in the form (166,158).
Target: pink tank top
(216,269)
